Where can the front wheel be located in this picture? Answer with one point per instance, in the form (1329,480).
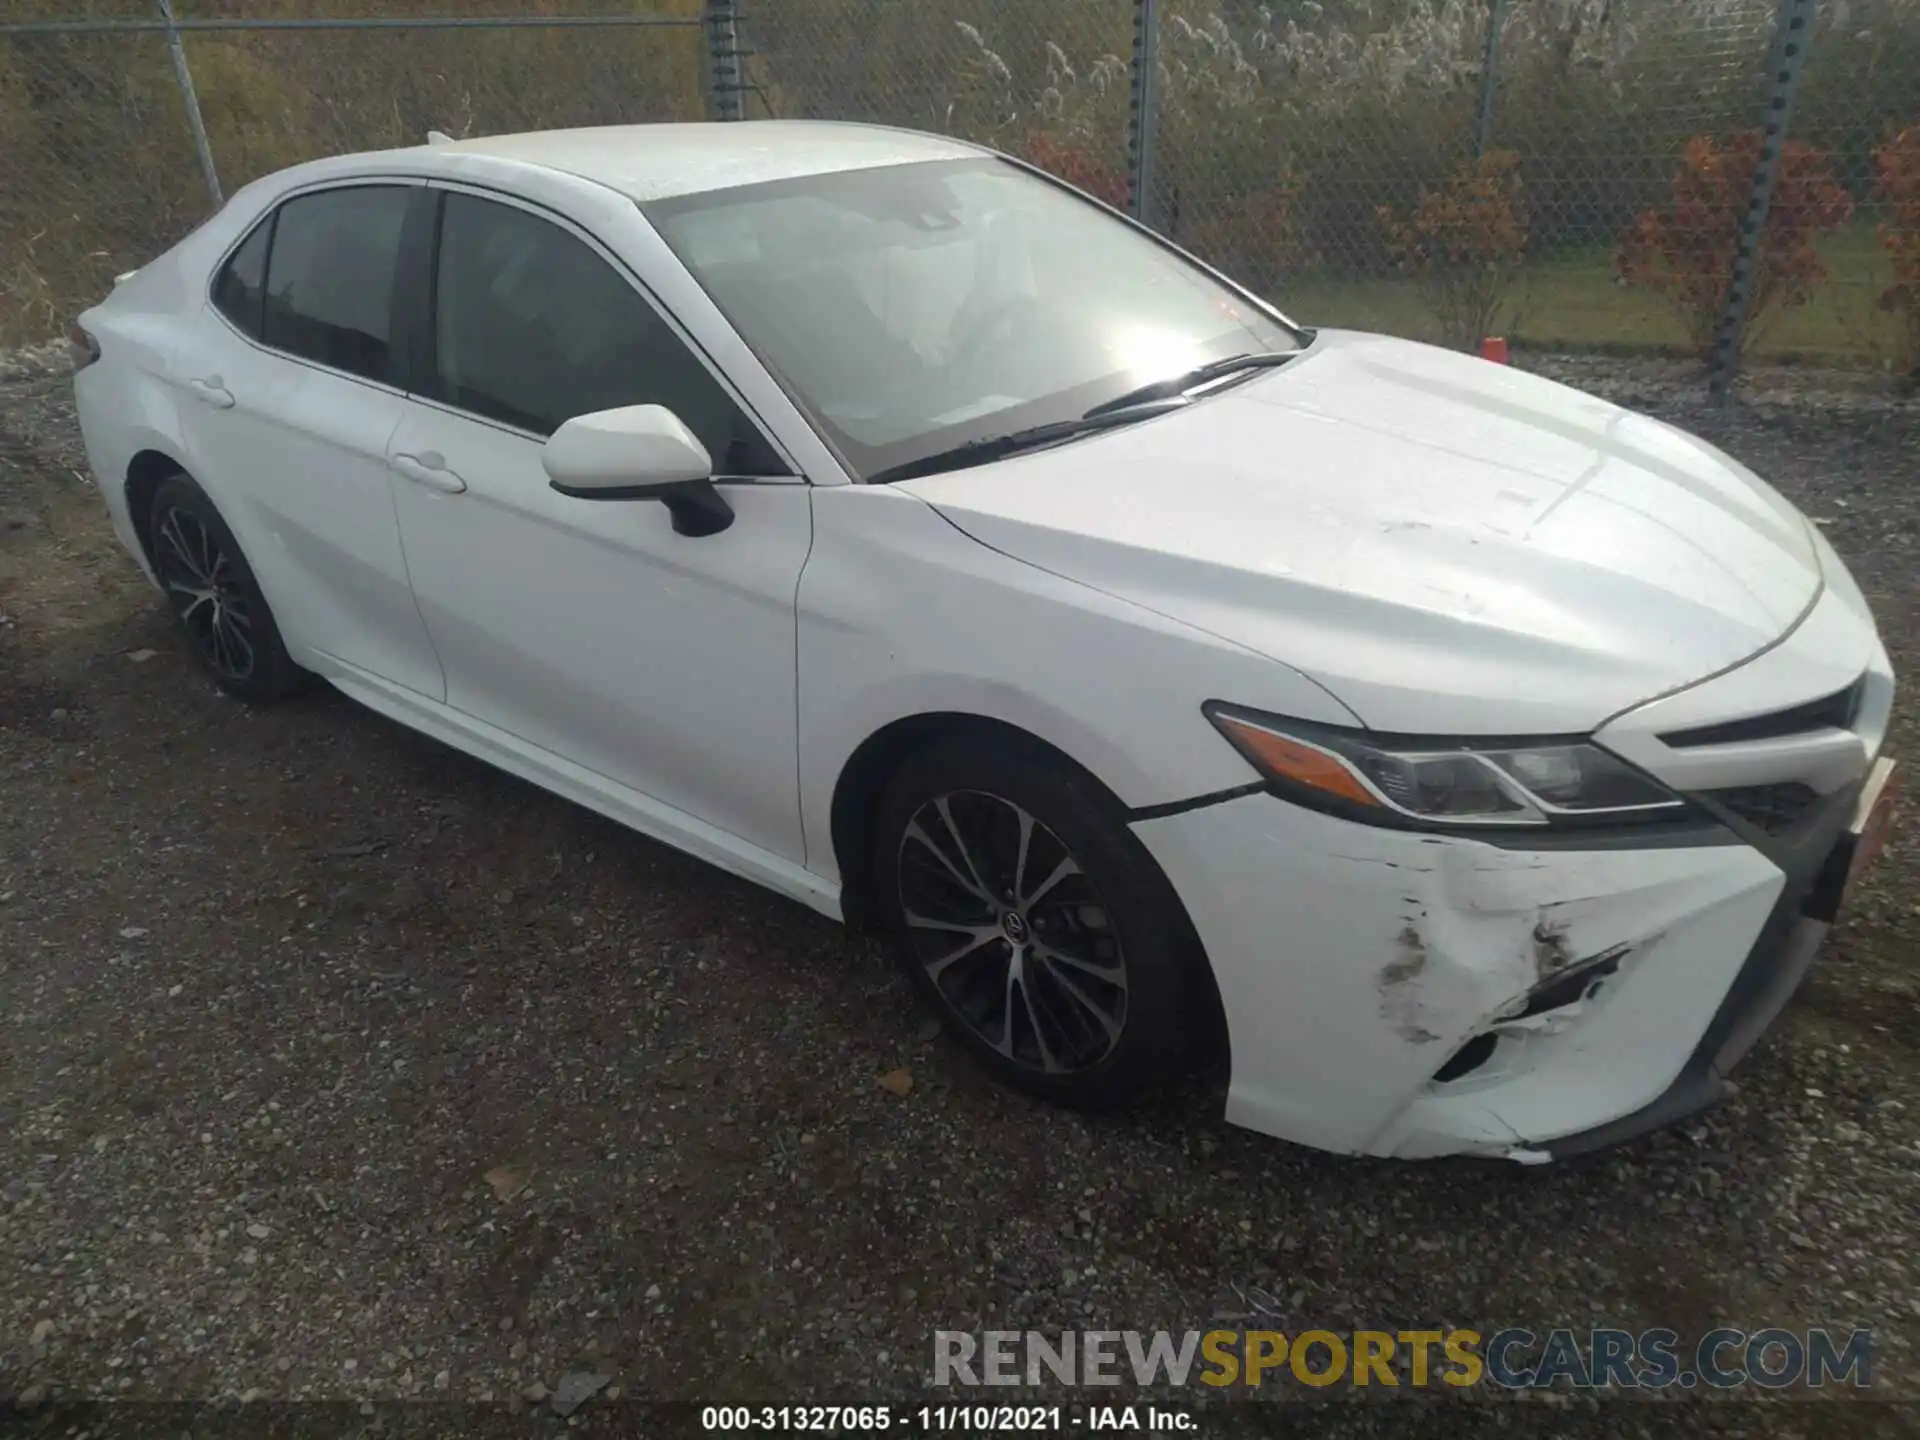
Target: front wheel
(1034,924)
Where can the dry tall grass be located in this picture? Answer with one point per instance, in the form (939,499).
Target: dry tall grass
(97,173)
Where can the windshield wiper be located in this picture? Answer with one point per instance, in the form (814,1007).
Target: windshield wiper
(1034,437)
(1178,385)
(1140,404)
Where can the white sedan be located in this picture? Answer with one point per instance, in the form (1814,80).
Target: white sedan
(865,512)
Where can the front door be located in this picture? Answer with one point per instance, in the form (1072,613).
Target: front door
(589,628)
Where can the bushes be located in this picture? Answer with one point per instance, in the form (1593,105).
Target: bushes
(1070,163)
(1260,243)
(1686,251)
(1898,161)
(1463,244)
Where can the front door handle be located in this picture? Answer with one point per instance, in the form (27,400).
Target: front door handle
(214,391)
(429,470)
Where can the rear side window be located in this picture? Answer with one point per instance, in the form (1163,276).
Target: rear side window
(242,281)
(532,327)
(330,278)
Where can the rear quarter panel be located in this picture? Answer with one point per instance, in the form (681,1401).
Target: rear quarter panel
(129,401)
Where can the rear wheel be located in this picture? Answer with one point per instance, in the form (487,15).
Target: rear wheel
(213,595)
(1035,925)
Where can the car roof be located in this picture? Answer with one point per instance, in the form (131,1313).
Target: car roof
(652,162)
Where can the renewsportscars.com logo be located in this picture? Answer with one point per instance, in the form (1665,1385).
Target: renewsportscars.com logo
(1514,1359)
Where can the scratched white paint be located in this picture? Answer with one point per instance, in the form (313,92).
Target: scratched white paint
(1335,1027)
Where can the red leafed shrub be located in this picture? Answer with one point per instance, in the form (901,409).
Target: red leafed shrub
(1258,240)
(1464,245)
(1070,163)
(1686,251)
(1899,161)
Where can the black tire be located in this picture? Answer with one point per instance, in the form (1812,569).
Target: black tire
(214,597)
(1112,911)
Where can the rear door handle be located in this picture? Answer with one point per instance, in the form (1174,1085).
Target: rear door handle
(214,391)
(429,470)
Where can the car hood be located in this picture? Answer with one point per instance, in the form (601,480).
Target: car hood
(1447,545)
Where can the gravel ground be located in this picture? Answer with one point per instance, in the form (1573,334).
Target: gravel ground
(336,1067)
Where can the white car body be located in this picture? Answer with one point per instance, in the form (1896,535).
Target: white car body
(1379,535)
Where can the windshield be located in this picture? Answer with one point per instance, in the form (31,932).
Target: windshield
(912,308)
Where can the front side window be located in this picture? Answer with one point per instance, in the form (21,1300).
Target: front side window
(242,281)
(910,308)
(330,278)
(532,327)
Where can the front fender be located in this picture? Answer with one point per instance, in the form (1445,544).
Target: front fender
(901,614)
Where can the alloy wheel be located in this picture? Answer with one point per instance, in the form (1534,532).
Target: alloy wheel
(1012,932)
(203,584)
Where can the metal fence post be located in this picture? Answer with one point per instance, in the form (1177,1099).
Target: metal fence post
(1793,33)
(1143,115)
(1489,76)
(196,126)
(723,51)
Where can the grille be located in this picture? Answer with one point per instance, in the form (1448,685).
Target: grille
(1830,712)
(1772,808)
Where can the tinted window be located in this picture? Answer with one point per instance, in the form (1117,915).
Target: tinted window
(238,287)
(330,280)
(533,328)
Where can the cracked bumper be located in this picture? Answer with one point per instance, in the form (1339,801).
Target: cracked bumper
(1358,964)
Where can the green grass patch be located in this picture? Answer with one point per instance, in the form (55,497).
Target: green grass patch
(1571,302)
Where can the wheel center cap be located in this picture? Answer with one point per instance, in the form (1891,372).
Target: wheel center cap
(1015,926)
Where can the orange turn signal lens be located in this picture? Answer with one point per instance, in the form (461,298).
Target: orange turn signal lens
(1296,761)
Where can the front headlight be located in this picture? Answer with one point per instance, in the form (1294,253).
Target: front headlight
(1391,780)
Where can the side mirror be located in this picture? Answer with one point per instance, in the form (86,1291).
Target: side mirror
(638,452)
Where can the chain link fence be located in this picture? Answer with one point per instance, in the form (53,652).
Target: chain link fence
(99,169)
(1046,81)
(1859,106)
(1569,174)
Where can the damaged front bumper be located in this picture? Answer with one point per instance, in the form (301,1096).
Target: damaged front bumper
(1817,865)
(1403,994)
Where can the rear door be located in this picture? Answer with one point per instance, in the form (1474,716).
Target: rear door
(661,661)
(294,386)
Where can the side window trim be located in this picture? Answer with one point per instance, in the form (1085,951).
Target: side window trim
(271,220)
(422,312)
(272,225)
(413,295)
